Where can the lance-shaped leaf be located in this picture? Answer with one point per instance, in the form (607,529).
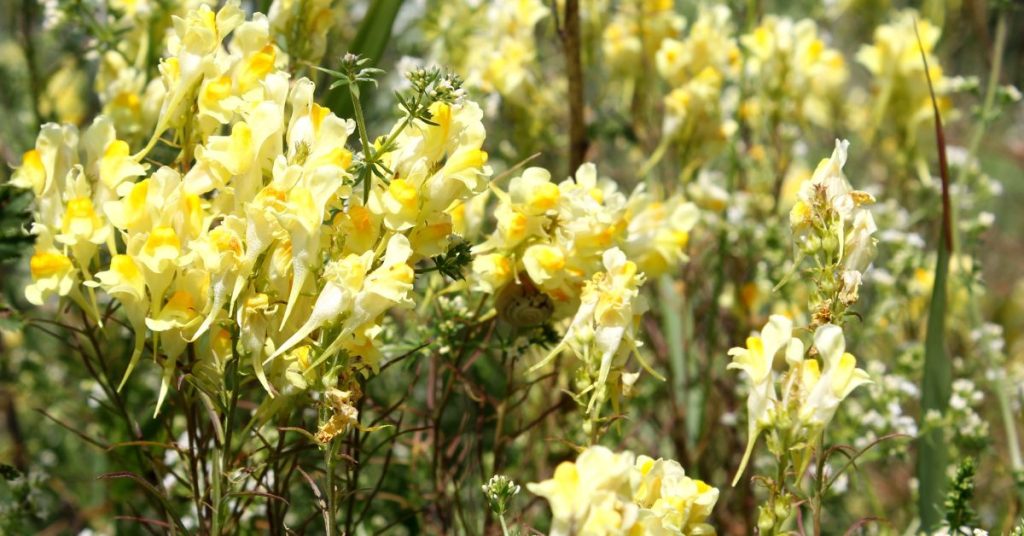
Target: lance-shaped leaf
(936,384)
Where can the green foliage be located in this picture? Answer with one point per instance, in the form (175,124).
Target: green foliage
(454,261)
(959,512)
(14,216)
(936,385)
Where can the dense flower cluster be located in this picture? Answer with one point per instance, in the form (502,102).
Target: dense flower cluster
(797,76)
(832,227)
(553,236)
(894,60)
(581,245)
(809,393)
(604,492)
(494,47)
(697,68)
(253,234)
(422,278)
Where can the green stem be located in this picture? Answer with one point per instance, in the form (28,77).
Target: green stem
(504,527)
(819,487)
(777,492)
(329,462)
(364,139)
(1010,423)
(574,71)
(218,466)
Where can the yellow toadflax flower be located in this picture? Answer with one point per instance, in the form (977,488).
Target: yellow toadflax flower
(602,335)
(672,502)
(52,271)
(658,232)
(125,282)
(901,105)
(810,396)
(837,380)
(358,296)
(756,360)
(609,493)
(795,75)
(591,495)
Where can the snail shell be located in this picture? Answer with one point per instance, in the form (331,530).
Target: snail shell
(523,306)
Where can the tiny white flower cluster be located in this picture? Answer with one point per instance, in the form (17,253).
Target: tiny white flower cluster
(969,427)
(499,490)
(881,413)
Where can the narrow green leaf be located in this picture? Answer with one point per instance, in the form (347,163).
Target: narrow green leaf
(675,325)
(370,42)
(936,383)
(936,386)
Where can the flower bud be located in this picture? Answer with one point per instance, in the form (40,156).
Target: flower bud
(830,244)
(811,244)
(765,520)
(782,509)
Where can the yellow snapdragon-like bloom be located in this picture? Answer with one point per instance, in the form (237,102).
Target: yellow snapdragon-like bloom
(697,66)
(52,272)
(608,493)
(175,322)
(810,392)
(82,223)
(602,334)
(756,361)
(556,233)
(498,53)
(45,167)
(543,262)
(125,282)
(591,495)
(636,30)
(116,167)
(31,174)
(121,88)
(550,239)
(840,376)
(829,212)
(358,296)
(492,271)
(658,232)
(902,105)
(423,192)
(674,503)
(828,192)
(65,212)
(796,76)
(707,44)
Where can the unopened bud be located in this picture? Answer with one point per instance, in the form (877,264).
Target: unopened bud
(765,520)
(830,244)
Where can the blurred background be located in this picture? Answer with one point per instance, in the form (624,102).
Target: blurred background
(52,66)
